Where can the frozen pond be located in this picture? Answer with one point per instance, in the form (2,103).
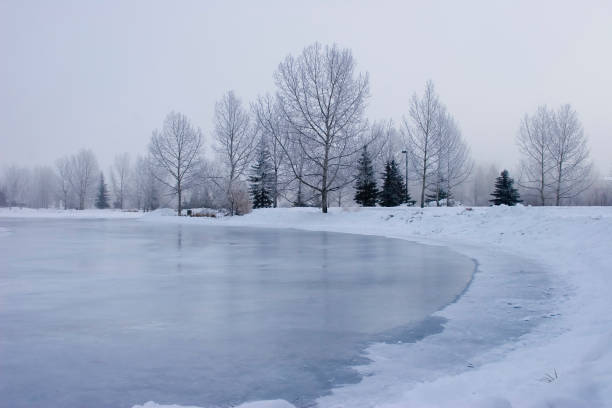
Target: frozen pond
(112,313)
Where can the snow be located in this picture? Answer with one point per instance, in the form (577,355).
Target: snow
(256,404)
(564,359)
(16,212)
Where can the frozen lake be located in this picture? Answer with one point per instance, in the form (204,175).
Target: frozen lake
(112,313)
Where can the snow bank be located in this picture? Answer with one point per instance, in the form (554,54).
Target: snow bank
(257,404)
(533,330)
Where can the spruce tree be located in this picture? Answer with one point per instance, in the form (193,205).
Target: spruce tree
(366,191)
(262,179)
(102,198)
(437,196)
(393,193)
(505,193)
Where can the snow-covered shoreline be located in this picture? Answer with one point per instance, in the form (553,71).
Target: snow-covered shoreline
(560,287)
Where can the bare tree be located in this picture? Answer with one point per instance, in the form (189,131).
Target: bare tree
(423,136)
(175,151)
(270,121)
(482,181)
(569,155)
(235,138)
(16,180)
(322,101)
(145,186)
(64,171)
(534,139)
(42,190)
(120,173)
(84,172)
(455,163)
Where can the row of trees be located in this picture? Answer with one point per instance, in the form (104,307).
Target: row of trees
(74,182)
(310,144)
(308,136)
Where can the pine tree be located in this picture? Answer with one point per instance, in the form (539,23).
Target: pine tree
(366,191)
(505,193)
(102,198)
(393,191)
(436,196)
(262,179)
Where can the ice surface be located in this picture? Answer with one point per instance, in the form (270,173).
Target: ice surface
(112,313)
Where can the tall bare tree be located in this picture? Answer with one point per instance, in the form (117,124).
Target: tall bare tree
(270,122)
(569,155)
(64,172)
(534,140)
(120,173)
(17,181)
(455,163)
(145,186)
(235,136)
(174,152)
(422,132)
(555,160)
(84,173)
(42,190)
(322,101)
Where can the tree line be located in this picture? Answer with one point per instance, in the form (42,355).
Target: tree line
(310,144)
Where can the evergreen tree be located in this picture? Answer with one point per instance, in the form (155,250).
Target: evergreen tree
(366,191)
(102,198)
(393,191)
(437,196)
(262,179)
(505,193)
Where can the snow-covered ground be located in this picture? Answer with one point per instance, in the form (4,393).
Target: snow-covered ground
(564,360)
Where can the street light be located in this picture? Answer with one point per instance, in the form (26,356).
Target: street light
(406,186)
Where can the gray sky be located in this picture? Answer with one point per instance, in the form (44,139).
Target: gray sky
(103,75)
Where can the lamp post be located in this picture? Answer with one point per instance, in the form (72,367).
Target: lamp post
(406,186)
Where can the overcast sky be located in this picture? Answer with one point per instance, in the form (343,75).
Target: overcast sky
(103,75)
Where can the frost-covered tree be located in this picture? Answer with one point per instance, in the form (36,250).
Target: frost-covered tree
(271,124)
(569,154)
(504,192)
(392,193)
(454,164)
(43,187)
(175,151)
(83,171)
(235,137)
(366,191)
(102,197)
(120,173)
(16,181)
(422,132)
(64,172)
(534,139)
(261,180)
(322,101)
(555,161)
(146,187)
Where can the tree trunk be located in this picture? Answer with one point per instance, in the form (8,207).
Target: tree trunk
(423,185)
(324,182)
(180,203)
(324,200)
(275,204)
